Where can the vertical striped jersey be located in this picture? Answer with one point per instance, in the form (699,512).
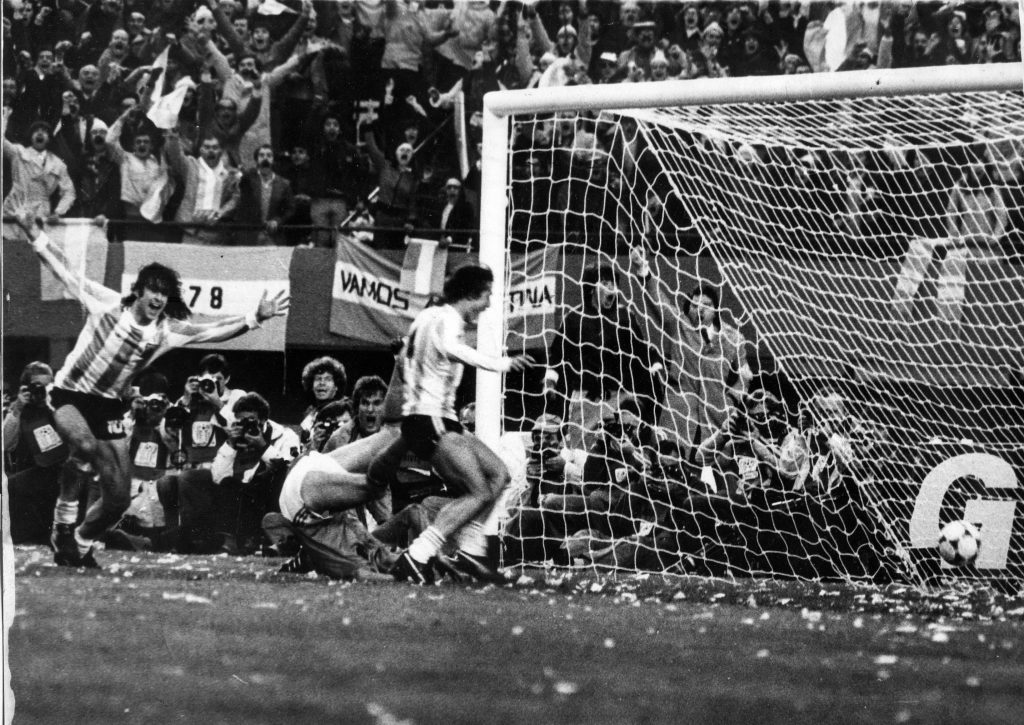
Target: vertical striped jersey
(110,350)
(431,375)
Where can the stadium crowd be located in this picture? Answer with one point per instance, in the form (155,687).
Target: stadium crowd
(266,122)
(281,123)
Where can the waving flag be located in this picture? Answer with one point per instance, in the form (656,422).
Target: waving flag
(83,245)
(164,111)
(423,267)
(273,7)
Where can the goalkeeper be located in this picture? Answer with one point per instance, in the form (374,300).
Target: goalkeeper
(603,353)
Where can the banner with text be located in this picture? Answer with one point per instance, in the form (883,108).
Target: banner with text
(218,281)
(368,300)
(532,297)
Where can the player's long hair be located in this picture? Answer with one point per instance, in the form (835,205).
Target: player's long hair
(160,278)
(467,282)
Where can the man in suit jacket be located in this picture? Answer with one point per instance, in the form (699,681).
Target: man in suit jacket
(457,215)
(211,189)
(265,199)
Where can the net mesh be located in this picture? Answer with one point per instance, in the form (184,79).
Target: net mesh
(823,366)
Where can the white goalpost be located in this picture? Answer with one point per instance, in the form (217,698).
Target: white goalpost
(862,234)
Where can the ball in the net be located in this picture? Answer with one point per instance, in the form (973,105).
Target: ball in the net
(959,543)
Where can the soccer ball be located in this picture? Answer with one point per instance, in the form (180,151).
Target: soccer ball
(959,543)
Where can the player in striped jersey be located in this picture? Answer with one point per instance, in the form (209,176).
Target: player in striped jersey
(121,337)
(435,357)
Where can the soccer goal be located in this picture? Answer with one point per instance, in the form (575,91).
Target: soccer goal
(818,323)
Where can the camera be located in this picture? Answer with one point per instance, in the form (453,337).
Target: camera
(155,405)
(250,427)
(37,390)
(208,385)
(175,417)
(328,424)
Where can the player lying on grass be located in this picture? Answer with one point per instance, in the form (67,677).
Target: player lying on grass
(121,337)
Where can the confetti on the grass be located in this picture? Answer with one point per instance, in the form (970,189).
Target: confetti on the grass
(187,597)
(609,643)
(762,653)
(886,659)
(973,682)
(517,630)
(566,688)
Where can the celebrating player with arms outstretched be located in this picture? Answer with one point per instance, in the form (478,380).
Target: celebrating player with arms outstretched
(435,355)
(121,337)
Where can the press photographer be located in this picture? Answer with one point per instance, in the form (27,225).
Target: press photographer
(38,460)
(151,451)
(209,405)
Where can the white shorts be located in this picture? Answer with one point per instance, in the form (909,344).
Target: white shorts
(291,493)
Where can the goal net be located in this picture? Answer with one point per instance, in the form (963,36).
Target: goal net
(781,337)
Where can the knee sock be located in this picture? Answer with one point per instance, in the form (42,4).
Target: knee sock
(65,512)
(426,545)
(83,544)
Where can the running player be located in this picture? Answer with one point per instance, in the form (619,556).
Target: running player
(120,338)
(435,355)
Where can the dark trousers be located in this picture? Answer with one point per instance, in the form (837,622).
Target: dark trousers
(32,495)
(206,513)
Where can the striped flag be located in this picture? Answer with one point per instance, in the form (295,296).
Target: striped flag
(423,267)
(83,247)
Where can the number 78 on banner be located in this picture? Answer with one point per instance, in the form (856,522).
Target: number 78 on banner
(221,296)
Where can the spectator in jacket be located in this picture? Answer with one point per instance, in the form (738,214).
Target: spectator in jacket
(40,88)
(334,163)
(457,215)
(398,184)
(211,189)
(37,176)
(144,178)
(265,198)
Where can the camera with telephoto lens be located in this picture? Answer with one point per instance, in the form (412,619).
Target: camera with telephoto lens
(175,417)
(250,427)
(207,385)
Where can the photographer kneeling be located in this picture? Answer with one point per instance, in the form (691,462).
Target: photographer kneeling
(222,508)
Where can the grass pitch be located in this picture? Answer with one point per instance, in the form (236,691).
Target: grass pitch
(163,639)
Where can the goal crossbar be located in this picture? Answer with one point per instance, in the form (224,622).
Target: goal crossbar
(760,89)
